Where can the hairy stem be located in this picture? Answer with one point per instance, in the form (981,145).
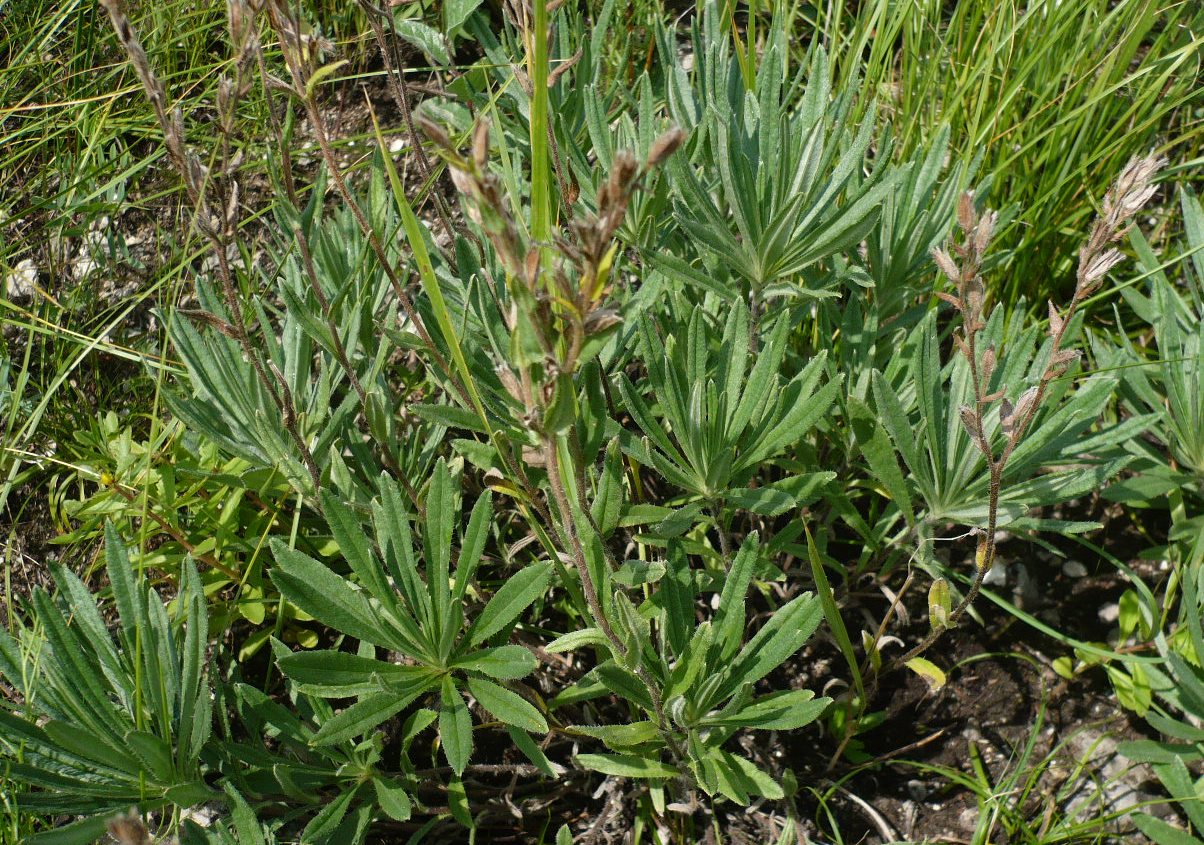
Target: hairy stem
(569,525)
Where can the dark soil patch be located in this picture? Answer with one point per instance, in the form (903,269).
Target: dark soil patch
(1003,710)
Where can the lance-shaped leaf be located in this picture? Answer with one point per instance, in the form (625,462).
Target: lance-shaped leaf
(515,596)
(455,727)
(507,706)
(325,596)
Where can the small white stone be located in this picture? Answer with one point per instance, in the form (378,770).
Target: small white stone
(1074,569)
(22,281)
(83,267)
(1109,613)
(396,145)
(997,575)
(203,815)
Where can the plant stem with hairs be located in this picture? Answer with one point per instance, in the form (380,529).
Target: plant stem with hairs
(566,300)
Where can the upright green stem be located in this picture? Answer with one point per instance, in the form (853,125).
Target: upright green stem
(537,69)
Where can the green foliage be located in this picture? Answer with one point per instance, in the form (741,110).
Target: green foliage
(1179,686)
(426,622)
(681,337)
(1169,385)
(704,679)
(109,721)
(1166,383)
(180,496)
(779,185)
(724,413)
(917,398)
(1052,126)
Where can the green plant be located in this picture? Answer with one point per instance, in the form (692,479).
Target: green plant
(425,622)
(1169,387)
(108,722)
(1163,387)
(1179,687)
(723,414)
(994,438)
(1052,126)
(180,496)
(679,340)
(772,184)
(1169,467)
(704,673)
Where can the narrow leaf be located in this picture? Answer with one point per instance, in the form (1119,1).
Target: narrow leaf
(455,727)
(508,602)
(626,766)
(507,706)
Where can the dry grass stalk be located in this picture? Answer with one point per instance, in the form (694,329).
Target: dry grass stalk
(301,54)
(395,78)
(219,229)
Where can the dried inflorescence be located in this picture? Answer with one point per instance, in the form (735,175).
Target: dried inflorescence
(1129,193)
(565,284)
(171,122)
(129,829)
(215,197)
(558,295)
(962,265)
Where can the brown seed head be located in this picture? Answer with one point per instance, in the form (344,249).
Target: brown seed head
(665,146)
(1098,266)
(434,132)
(947,265)
(966,217)
(988,364)
(128,829)
(1025,405)
(623,172)
(1134,186)
(1056,323)
(983,232)
(480,144)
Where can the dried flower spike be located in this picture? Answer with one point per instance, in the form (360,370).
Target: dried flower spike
(665,146)
(1131,190)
